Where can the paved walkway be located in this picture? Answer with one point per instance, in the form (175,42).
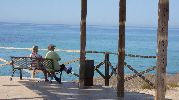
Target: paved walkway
(39,90)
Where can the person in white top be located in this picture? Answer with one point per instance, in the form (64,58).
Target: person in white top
(35,54)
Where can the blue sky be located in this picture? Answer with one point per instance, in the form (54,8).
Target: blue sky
(100,12)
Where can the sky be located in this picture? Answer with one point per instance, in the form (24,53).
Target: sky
(100,12)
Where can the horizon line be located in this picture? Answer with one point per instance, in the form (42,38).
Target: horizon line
(103,25)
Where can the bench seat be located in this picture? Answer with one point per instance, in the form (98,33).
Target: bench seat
(30,64)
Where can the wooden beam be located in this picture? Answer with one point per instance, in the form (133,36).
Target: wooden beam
(162,44)
(121,48)
(82,42)
(106,69)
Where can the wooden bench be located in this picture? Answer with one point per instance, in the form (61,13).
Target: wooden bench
(32,64)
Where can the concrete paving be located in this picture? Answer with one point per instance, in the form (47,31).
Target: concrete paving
(37,89)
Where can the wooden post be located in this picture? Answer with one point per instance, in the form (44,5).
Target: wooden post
(162,44)
(82,42)
(121,48)
(106,69)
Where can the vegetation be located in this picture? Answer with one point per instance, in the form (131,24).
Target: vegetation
(146,86)
(172,85)
(169,85)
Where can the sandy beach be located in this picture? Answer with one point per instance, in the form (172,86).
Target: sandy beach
(37,89)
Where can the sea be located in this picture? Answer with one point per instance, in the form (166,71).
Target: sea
(17,38)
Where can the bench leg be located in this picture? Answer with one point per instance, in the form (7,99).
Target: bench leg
(60,77)
(20,74)
(13,71)
(51,78)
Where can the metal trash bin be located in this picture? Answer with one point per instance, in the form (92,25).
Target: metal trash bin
(89,73)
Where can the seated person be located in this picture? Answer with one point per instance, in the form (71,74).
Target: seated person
(35,54)
(51,54)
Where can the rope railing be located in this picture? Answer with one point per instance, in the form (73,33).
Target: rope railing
(78,51)
(14,48)
(96,67)
(71,61)
(5,62)
(140,75)
(139,56)
(129,55)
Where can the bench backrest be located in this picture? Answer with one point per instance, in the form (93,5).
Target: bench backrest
(26,62)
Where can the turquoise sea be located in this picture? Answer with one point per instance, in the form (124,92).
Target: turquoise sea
(14,37)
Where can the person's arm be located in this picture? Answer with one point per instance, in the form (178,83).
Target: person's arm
(39,56)
(30,55)
(57,57)
(47,54)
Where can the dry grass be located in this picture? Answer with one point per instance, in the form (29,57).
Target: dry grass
(172,85)
(137,83)
(146,86)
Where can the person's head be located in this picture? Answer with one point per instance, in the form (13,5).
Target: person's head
(35,48)
(51,47)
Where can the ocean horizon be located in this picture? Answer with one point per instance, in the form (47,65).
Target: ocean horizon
(17,38)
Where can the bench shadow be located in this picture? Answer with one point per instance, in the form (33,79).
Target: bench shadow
(11,85)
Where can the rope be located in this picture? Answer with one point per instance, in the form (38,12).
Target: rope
(139,56)
(14,48)
(8,63)
(129,55)
(138,74)
(101,52)
(78,51)
(5,62)
(71,61)
(75,74)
